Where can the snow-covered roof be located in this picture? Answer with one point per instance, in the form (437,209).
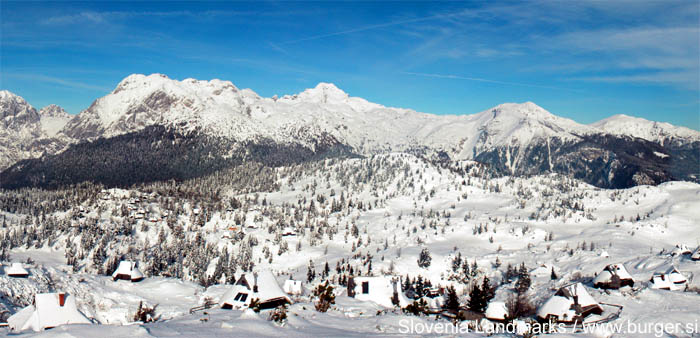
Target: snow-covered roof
(128,270)
(696,255)
(16,269)
(611,270)
(681,249)
(433,303)
(49,310)
(379,290)
(496,311)
(293,287)
(671,279)
(675,276)
(267,289)
(660,281)
(560,304)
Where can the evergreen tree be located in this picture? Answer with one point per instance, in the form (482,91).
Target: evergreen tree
(452,302)
(524,281)
(477,301)
(326,271)
(311,273)
(424,259)
(457,262)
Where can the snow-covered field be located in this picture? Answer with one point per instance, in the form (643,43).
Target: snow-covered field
(375,215)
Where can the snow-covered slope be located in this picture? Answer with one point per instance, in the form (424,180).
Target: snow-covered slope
(53,118)
(660,132)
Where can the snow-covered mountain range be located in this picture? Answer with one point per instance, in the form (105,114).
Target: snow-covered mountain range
(221,109)
(516,138)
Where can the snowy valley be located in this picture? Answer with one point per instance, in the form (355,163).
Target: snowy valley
(437,228)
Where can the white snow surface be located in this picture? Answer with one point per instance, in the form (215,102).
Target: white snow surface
(53,119)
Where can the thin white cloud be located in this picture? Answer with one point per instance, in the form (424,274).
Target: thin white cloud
(657,41)
(56,81)
(459,77)
(665,40)
(107,16)
(681,79)
(369,27)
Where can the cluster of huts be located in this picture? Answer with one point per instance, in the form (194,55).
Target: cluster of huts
(570,304)
(49,310)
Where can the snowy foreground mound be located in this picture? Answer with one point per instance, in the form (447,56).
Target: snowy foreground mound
(373,216)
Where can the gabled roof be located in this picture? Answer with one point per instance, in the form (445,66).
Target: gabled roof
(696,255)
(49,310)
(262,285)
(561,304)
(675,275)
(681,249)
(268,288)
(496,311)
(577,290)
(672,279)
(128,268)
(611,270)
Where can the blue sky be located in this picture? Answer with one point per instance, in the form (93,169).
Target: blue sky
(578,59)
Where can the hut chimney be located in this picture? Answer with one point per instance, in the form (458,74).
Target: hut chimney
(255,282)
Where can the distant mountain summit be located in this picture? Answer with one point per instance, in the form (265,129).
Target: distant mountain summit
(15,112)
(661,132)
(513,138)
(26,132)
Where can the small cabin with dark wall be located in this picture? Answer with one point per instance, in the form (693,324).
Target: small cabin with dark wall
(614,276)
(379,290)
(672,280)
(571,304)
(129,271)
(260,285)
